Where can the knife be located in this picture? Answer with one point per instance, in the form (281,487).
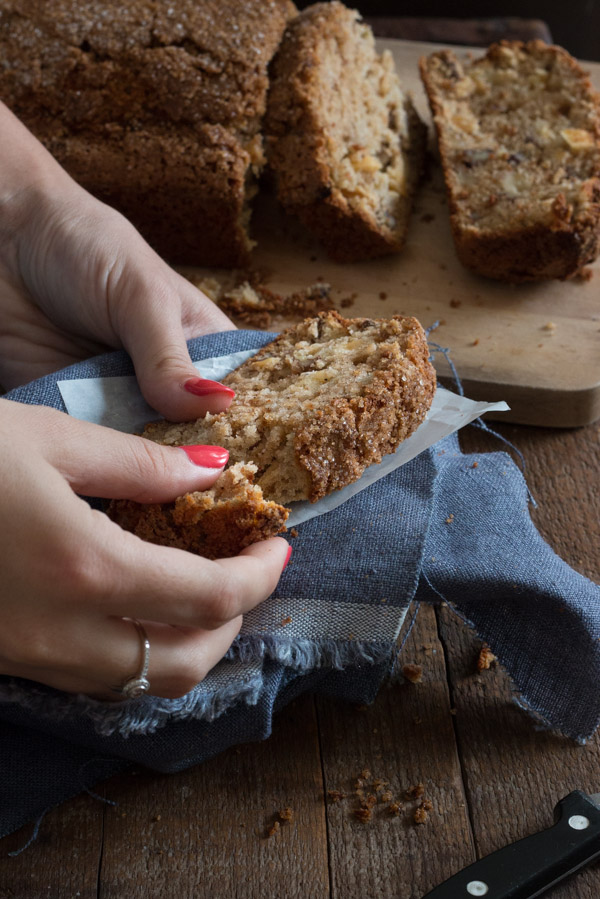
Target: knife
(531,866)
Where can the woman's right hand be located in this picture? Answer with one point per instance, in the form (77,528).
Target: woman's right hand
(70,575)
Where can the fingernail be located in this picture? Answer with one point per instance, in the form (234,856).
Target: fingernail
(202,387)
(287,558)
(207,456)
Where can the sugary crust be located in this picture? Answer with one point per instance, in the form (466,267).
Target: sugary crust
(550,228)
(213,527)
(323,401)
(154,106)
(300,138)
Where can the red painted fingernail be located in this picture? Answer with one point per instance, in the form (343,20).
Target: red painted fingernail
(202,387)
(207,456)
(287,558)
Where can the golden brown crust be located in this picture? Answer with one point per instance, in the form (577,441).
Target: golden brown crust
(153,106)
(519,139)
(215,527)
(344,141)
(316,406)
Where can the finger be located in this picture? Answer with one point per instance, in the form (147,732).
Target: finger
(98,461)
(153,335)
(171,586)
(100,657)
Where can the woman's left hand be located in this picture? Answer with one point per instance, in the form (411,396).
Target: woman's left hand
(76,278)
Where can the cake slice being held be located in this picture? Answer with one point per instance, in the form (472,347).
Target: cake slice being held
(319,404)
(519,140)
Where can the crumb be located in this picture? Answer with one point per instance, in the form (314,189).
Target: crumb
(420,816)
(363,814)
(346,302)
(450,518)
(286,815)
(413,673)
(475,465)
(382,295)
(294,532)
(274,829)
(486,658)
(386,796)
(394,808)
(453,711)
(369,801)
(156,818)
(585,274)
(365,774)
(427,804)
(475,342)
(286,620)
(427,217)
(416,791)
(335,795)
(378,785)
(455,303)
(549,326)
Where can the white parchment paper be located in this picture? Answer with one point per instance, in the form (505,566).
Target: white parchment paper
(117,403)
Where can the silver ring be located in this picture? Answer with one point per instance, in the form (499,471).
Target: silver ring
(139,683)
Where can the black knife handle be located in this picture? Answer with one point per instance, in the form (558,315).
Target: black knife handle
(530,866)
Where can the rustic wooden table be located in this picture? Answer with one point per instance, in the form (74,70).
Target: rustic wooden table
(491,776)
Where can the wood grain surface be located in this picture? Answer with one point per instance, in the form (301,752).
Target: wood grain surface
(491,775)
(537,346)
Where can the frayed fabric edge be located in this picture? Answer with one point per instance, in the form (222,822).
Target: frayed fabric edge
(146,715)
(543,723)
(305,655)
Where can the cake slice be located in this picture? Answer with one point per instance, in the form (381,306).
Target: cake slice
(215,523)
(316,406)
(519,141)
(343,139)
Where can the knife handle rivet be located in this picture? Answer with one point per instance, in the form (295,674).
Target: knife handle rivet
(477,888)
(578,822)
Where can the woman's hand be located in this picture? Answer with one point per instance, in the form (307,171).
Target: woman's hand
(70,575)
(76,278)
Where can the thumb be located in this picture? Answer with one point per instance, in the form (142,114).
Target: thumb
(167,377)
(98,461)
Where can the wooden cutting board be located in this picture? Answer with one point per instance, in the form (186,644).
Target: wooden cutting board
(535,346)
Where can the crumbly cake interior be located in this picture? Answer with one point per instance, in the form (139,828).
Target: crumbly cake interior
(521,134)
(320,403)
(215,523)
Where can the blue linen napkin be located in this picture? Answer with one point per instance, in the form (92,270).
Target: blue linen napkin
(331,625)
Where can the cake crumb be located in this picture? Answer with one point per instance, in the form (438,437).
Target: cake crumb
(293,532)
(335,795)
(550,326)
(455,303)
(382,295)
(416,791)
(413,673)
(286,620)
(420,815)
(274,829)
(286,815)
(394,808)
(363,814)
(486,658)
(450,518)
